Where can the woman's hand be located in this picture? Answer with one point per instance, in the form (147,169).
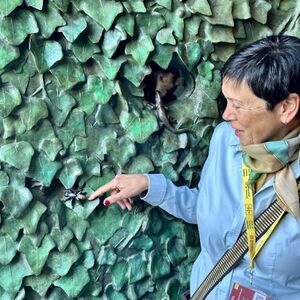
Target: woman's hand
(122,188)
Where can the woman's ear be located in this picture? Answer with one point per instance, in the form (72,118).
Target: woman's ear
(290,108)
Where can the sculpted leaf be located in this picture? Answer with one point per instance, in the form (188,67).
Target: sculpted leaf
(94,30)
(74,28)
(165,3)
(41,283)
(259,10)
(62,237)
(74,282)
(11,226)
(165,36)
(150,24)
(137,267)
(32,217)
(201,7)
(68,73)
(36,256)
(17,154)
(255,30)
(15,28)
(8,53)
(135,73)
(74,126)
(169,171)
(175,19)
(284,18)
(103,12)
(43,170)
(11,276)
(10,97)
(122,151)
(19,77)
(191,28)
(241,9)
(45,53)
(85,208)
(76,224)
(159,265)
(59,104)
(126,23)
(136,6)
(109,66)
(111,41)
(41,230)
(4,179)
(217,34)
(162,54)
(61,262)
(38,4)
(6,7)
(101,89)
(83,49)
(140,49)
(48,19)
(139,127)
(221,13)
(43,138)
(15,199)
(61,4)
(32,111)
(99,141)
(69,173)
(140,164)
(190,53)
(176,250)
(8,249)
(104,227)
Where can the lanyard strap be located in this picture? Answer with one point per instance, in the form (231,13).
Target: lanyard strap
(232,256)
(249,218)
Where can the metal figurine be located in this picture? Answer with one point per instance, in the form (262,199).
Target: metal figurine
(162,115)
(37,184)
(166,83)
(71,196)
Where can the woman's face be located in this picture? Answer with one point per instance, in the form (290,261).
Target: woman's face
(248,115)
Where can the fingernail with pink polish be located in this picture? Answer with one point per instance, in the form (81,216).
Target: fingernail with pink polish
(106,203)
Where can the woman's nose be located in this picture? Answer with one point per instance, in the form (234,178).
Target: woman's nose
(229,113)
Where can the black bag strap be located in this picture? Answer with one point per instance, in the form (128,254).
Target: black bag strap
(233,256)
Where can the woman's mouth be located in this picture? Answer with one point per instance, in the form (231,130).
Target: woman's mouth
(237,132)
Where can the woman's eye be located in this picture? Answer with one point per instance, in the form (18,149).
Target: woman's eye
(236,106)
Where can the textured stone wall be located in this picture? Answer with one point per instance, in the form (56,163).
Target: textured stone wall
(73,114)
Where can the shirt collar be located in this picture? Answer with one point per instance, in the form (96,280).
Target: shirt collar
(234,141)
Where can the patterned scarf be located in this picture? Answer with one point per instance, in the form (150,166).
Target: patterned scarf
(275,157)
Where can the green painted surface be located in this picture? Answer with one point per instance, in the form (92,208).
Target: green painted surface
(73,114)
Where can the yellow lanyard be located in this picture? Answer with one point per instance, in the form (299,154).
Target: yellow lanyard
(249,219)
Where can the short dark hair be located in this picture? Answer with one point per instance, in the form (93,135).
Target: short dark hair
(270,67)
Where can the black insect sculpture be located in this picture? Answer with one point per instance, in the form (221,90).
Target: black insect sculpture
(71,196)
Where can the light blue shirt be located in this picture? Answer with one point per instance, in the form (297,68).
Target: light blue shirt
(216,206)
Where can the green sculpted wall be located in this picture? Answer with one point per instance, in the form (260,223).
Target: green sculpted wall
(73,114)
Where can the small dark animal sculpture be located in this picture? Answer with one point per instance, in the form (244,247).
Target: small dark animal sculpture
(162,115)
(72,195)
(37,184)
(159,91)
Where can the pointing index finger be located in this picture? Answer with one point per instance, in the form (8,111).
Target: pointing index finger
(103,189)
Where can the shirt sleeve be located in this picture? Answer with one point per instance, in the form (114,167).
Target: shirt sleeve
(179,201)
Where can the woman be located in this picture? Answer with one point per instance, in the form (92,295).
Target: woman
(261,84)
